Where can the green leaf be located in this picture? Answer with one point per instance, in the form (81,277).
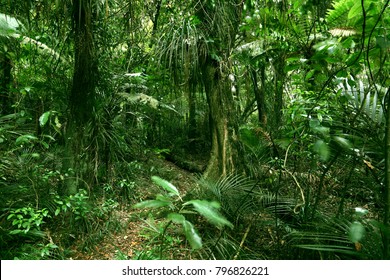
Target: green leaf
(356,232)
(166,185)
(151,204)
(25,139)
(176,218)
(322,149)
(316,126)
(161,197)
(310,74)
(356,10)
(210,212)
(8,25)
(58,210)
(344,143)
(44,118)
(192,236)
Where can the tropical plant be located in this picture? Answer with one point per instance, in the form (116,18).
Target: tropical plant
(176,211)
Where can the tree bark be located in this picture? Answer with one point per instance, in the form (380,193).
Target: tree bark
(6,79)
(260,95)
(223,118)
(78,152)
(386,219)
(215,68)
(279,77)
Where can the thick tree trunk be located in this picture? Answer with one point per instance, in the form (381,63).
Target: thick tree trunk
(224,154)
(82,99)
(220,20)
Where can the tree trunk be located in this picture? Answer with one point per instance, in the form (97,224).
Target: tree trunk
(279,77)
(260,95)
(191,112)
(6,79)
(386,219)
(224,153)
(220,20)
(82,100)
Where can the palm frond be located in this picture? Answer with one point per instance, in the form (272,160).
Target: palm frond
(181,47)
(219,248)
(362,97)
(232,191)
(241,198)
(325,235)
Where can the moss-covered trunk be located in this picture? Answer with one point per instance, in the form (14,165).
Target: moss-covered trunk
(224,158)
(78,149)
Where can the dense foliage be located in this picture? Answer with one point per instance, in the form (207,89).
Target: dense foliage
(223,129)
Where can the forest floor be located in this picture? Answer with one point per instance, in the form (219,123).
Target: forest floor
(132,238)
(138,232)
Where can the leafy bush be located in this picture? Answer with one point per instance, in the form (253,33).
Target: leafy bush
(26,219)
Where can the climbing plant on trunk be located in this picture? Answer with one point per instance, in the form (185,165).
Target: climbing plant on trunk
(220,21)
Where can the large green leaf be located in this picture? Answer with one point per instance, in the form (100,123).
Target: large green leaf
(176,218)
(151,204)
(322,149)
(189,230)
(25,139)
(344,143)
(166,185)
(356,232)
(44,118)
(8,25)
(355,11)
(192,236)
(209,210)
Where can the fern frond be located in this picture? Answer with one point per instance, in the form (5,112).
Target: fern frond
(339,14)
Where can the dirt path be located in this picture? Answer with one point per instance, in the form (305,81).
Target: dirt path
(133,240)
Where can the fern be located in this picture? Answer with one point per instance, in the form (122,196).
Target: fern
(339,14)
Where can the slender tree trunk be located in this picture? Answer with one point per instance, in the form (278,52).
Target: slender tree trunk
(386,219)
(6,79)
(82,99)
(279,77)
(191,111)
(260,95)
